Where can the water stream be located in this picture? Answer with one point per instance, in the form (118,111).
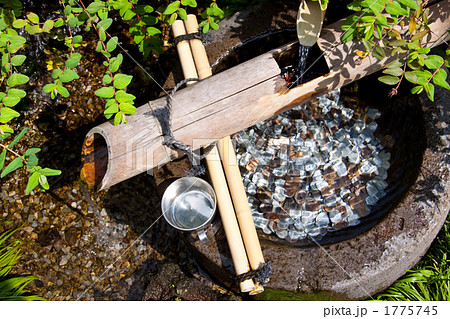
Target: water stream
(303,53)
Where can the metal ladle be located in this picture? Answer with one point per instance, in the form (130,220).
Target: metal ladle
(309,22)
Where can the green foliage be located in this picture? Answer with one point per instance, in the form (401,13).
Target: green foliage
(430,280)
(145,25)
(401,34)
(12,287)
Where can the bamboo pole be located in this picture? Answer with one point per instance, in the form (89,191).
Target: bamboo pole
(235,185)
(184,52)
(240,201)
(215,169)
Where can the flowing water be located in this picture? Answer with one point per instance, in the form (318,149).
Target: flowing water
(303,53)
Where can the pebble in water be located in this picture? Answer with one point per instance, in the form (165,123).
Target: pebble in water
(321,164)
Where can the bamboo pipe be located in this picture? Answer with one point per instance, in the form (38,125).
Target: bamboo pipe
(240,201)
(226,103)
(184,52)
(215,169)
(233,175)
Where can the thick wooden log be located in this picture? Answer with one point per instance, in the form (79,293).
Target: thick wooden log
(229,102)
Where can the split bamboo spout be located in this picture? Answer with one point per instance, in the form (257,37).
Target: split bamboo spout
(226,103)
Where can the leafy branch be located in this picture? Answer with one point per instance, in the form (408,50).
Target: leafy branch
(381,26)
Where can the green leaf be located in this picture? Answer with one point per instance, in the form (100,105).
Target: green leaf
(77,39)
(118,118)
(11,100)
(62,90)
(378,52)
(19,23)
(382,20)
(32,161)
(129,14)
(429,89)
(6,129)
(122,80)
(50,172)
(394,8)
(410,4)
(18,137)
(171,8)
(111,108)
(31,151)
(173,17)
(16,92)
(393,71)
(12,166)
(394,64)
(105,92)
(7,114)
(33,181)
(17,60)
(95,7)
(419,35)
(56,73)
(127,108)
(72,63)
(398,43)
(426,74)
(107,79)
(346,37)
(153,31)
(123,97)
(417,89)
(49,87)
(48,25)
(112,44)
(59,23)
(33,17)
(115,63)
(67,10)
(105,24)
(389,79)
(214,25)
(434,61)
(2,159)
(102,34)
(68,75)
(17,79)
(440,79)
(182,13)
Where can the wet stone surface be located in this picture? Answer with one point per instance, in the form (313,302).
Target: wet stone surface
(317,168)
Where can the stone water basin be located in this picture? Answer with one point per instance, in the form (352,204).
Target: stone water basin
(349,255)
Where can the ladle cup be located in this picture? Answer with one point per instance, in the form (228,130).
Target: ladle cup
(189,204)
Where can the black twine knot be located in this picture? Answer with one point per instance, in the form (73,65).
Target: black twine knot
(261,275)
(205,38)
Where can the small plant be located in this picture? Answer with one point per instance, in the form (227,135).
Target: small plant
(12,287)
(145,23)
(401,33)
(430,280)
